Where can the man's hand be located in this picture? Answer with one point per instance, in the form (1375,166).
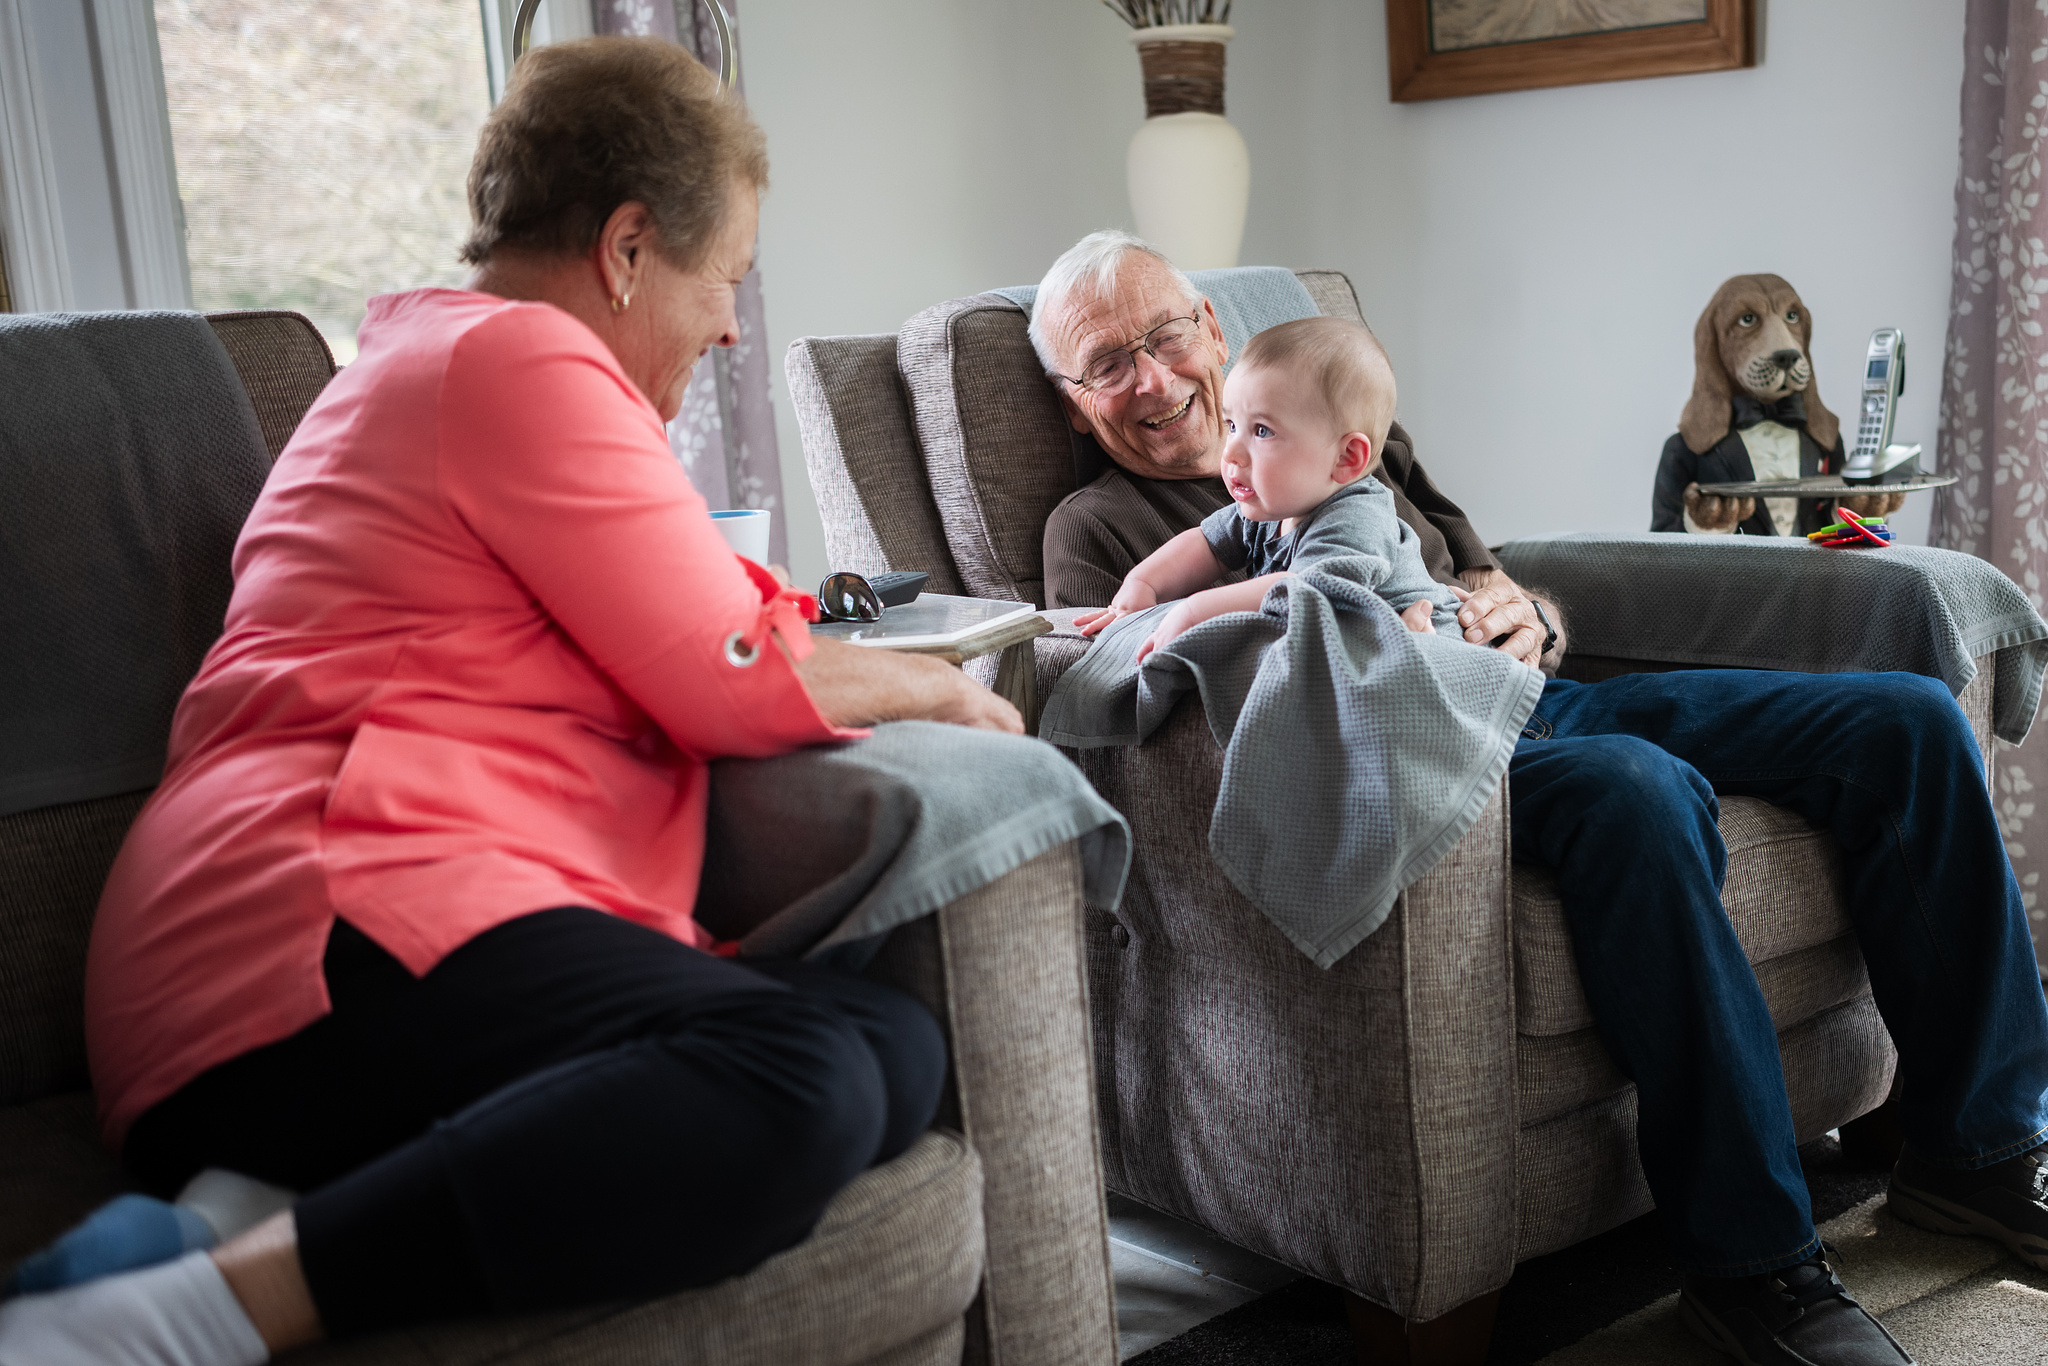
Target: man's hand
(1418,617)
(1496,607)
(1874,504)
(1717,514)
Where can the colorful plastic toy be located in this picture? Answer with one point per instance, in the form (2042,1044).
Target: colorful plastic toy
(1852,531)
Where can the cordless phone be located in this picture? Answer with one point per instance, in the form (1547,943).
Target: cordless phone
(1884,379)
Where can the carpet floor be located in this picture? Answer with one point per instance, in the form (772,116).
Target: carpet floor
(1609,1300)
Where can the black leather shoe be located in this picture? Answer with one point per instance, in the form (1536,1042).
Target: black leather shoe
(1795,1316)
(2008,1201)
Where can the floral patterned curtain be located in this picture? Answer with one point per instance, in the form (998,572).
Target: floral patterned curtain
(725,434)
(1994,398)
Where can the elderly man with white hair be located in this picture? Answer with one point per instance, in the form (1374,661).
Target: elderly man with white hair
(1615,785)
(1162,424)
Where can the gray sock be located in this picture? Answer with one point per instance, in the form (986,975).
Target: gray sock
(181,1313)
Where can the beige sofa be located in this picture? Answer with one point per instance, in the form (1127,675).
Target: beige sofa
(985,1243)
(1437,1107)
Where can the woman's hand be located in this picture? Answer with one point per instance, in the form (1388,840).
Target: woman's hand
(858,685)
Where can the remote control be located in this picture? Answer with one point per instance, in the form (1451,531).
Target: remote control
(897,588)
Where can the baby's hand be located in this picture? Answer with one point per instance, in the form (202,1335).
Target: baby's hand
(1172,624)
(1134,595)
(1092,622)
(1417,617)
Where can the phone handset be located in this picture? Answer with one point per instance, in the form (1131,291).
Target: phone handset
(1884,379)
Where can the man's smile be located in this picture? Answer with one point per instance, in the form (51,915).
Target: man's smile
(1169,417)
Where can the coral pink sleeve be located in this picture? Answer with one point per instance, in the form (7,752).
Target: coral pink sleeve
(561,468)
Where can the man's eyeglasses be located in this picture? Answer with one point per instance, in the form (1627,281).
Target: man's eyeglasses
(1115,371)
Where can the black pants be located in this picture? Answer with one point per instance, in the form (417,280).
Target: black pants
(568,1109)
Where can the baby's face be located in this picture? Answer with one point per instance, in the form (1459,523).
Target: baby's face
(1280,448)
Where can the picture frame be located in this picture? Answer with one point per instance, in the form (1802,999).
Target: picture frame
(1469,61)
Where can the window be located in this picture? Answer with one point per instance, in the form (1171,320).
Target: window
(322,148)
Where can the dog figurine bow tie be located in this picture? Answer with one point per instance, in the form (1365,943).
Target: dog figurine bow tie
(1789,411)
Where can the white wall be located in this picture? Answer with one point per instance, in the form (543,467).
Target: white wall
(1534,261)
(920,150)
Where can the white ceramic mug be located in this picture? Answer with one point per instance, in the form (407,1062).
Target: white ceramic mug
(746,531)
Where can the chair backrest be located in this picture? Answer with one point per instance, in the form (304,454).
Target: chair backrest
(53,861)
(869,477)
(943,448)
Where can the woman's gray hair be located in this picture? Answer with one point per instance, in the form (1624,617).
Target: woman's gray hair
(1095,259)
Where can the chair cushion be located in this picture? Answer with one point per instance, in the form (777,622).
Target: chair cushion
(53,1171)
(1576,1172)
(873,493)
(1784,893)
(996,443)
(1332,291)
(1556,1073)
(283,362)
(52,865)
(893,1264)
(897,1255)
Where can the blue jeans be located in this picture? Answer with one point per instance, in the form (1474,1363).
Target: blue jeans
(1614,785)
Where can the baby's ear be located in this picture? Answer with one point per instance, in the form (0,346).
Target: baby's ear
(1355,458)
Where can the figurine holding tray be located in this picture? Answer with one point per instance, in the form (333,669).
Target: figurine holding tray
(1755,426)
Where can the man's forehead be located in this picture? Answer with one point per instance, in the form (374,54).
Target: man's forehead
(1097,320)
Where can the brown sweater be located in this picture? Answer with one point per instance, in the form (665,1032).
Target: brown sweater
(1100,531)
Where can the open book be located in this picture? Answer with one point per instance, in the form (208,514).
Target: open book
(933,620)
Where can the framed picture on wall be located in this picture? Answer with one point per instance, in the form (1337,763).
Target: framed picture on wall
(1439,49)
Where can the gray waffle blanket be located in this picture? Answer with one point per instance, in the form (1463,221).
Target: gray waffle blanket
(1748,602)
(822,851)
(130,457)
(1355,752)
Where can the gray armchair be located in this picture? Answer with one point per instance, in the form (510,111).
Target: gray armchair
(1437,1107)
(985,1242)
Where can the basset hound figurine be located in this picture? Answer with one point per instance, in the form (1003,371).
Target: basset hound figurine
(1755,413)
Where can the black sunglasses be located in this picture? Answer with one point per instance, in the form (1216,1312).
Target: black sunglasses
(848,597)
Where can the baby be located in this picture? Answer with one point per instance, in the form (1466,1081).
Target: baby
(1305,413)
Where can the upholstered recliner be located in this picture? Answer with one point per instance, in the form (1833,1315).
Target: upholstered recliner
(1437,1107)
(985,1242)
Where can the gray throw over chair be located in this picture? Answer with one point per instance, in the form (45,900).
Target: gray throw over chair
(984,1243)
(1437,1107)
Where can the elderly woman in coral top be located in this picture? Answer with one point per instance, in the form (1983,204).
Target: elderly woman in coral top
(407,926)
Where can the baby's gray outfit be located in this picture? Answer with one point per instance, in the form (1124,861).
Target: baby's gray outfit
(1358,519)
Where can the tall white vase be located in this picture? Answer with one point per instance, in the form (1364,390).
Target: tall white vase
(1189,171)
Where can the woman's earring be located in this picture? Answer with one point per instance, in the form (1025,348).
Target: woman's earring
(619,304)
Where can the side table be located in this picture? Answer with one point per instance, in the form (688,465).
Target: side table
(1016,672)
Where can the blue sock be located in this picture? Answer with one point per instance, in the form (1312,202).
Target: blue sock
(127,1232)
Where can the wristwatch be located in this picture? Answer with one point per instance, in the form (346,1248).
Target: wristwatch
(1549,631)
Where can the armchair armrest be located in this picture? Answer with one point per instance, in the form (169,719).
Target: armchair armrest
(975,853)
(1773,603)
(1002,969)
(1339,1120)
